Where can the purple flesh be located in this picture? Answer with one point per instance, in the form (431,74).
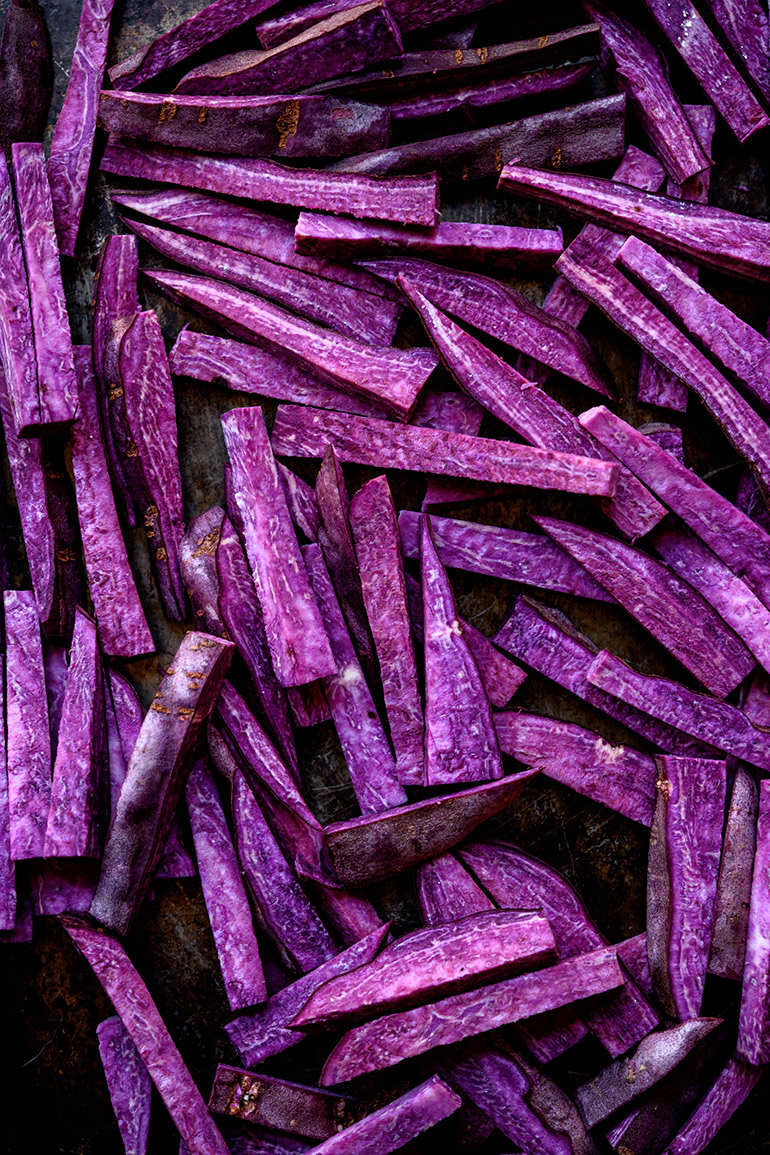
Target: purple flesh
(155,776)
(446,891)
(722,1100)
(8,904)
(574,136)
(411,200)
(56,673)
(410,14)
(134,1004)
(69,162)
(632,952)
(289,1107)
(300,498)
(124,721)
(304,432)
(263,1033)
(29,743)
(460,739)
(350,915)
(691,37)
(223,891)
(726,241)
(26,73)
(501,312)
(297,639)
(57,384)
(28,410)
(62,885)
(374,525)
(668,437)
(731,913)
(750,500)
(128,1082)
(395,1037)
(369,849)
(392,378)
(77,817)
(346,41)
(673,612)
(460,414)
(247,126)
(123,629)
(754,1023)
(743,26)
(618,777)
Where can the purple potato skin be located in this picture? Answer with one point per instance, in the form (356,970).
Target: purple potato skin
(26,74)
(268,1102)
(731,915)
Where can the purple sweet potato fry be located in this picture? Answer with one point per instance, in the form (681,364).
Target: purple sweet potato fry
(128,1082)
(62,885)
(392,378)
(350,914)
(722,1100)
(69,161)
(458,413)
(374,527)
(298,642)
(323,125)
(615,776)
(731,912)
(446,891)
(411,200)
(668,437)
(269,1102)
(28,410)
(410,14)
(264,1032)
(754,1022)
(28,737)
(26,73)
(300,498)
(197,553)
(224,892)
(632,952)
(8,900)
(300,431)
(368,849)
(133,1002)
(156,774)
(743,26)
(395,1037)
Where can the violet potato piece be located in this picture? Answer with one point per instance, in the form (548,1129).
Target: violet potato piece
(446,891)
(393,378)
(731,913)
(350,914)
(265,1032)
(224,892)
(668,437)
(133,1002)
(754,1021)
(26,73)
(412,200)
(28,410)
(368,849)
(156,774)
(581,134)
(249,125)
(8,901)
(427,964)
(673,612)
(722,1100)
(723,240)
(300,498)
(270,1102)
(346,41)
(743,26)
(395,1037)
(375,530)
(456,412)
(129,1084)
(632,952)
(69,160)
(304,432)
(615,776)
(460,739)
(409,14)
(298,642)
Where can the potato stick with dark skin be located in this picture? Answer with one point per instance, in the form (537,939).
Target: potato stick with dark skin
(26,74)
(731,913)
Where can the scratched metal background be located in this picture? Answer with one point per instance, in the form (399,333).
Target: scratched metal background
(54,1096)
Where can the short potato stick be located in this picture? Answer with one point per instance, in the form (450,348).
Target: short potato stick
(722,1100)
(411,200)
(731,913)
(224,892)
(305,432)
(392,378)
(754,1020)
(446,891)
(350,914)
(128,1082)
(270,1102)
(298,642)
(28,410)
(247,125)
(743,27)
(157,769)
(133,1002)
(26,73)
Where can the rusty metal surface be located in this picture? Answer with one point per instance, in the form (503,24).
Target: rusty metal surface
(56,1096)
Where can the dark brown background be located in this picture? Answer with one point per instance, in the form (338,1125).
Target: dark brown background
(56,1096)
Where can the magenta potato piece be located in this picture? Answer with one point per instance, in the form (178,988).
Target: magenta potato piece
(743,26)
(247,125)
(28,411)
(731,913)
(446,891)
(368,849)
(124,716)
(395,1037)
(722,1100)
(300,498)
(409,14)
(632,952)
(129,1084)
(26,73)
(133,1002)
(155,777)
(305,432)
(754,1022)
(269,1102)
(350,915)
(412,200)
(8,901)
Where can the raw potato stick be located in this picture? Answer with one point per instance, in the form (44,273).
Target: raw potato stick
(269,1102)
(395,1037)
(409,14)
(615,776)
(687,32)
(392,378)
(350,915)
(743,25)
(754,1021)
(632,952)
(347,41)
(411,200)
(8,901)
(459,414)
(123,629)
(128,1082)
(247,125)
(155,777)
(29,411)
(224,893)
(26,73)
(300,498)
(367,849)
(298,642)
(305,432)
(731,913)
(133,1002)
(446,891)
(722,1100)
